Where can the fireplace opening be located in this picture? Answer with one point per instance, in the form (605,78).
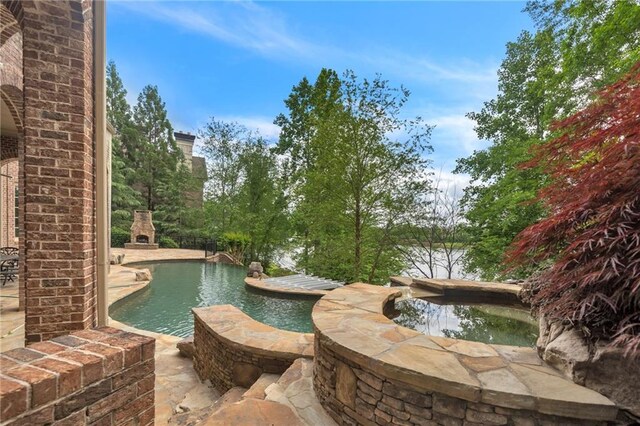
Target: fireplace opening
(142,239)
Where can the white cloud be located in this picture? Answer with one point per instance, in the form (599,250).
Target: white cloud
(242,24)
(457,130)
(263,125)
(253,27)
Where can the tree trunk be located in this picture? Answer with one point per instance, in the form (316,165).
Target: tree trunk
(357,261)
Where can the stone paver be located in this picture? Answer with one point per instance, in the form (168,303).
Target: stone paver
(350,320)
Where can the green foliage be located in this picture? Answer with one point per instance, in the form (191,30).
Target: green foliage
(276,271)
(119,237)
(247,191)
(235,243)
(124,198)
(579,47)
(350,178)
(167,242)
(158,156)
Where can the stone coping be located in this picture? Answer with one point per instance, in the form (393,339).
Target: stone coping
(466,290)
(351,321)
(238,330)
(260,285)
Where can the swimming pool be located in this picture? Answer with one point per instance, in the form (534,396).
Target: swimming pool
(165,305)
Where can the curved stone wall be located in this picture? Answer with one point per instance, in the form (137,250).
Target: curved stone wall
(232,349)
(369,370)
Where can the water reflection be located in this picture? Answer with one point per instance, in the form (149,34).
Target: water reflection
(480,323)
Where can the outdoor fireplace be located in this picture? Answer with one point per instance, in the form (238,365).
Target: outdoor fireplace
(142,231)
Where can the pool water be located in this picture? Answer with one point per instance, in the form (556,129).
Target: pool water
(165,305)
(480,323)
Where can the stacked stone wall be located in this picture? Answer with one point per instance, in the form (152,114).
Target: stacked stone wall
(99,377)
(227,365)
(355,395)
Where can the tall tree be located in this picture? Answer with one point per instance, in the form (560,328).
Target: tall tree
(124,197)
(308,106)
(589,243)
(222,146)
(355,174)
(159,157)
(579,46)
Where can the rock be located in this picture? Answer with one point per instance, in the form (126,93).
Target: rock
(567,353)
(345,385)
(255,267)
(116,259)
(186,347)
(604,370)
(256,275)
(143,275)
(244,374)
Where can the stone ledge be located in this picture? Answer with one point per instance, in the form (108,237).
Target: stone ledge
(232,349)
(240,331)
(349,323)
(465,290)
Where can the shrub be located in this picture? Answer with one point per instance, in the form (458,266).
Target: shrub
(168,242)
(590,240)
(235,244)
(119,237)
(276,271)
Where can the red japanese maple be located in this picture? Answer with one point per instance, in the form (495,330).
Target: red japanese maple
(590,240)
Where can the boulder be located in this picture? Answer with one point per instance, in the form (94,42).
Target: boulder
(143,275)
(255,267)
(595,366)
(116,259)
(186,347)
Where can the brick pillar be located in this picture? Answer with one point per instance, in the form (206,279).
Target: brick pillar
(58,167)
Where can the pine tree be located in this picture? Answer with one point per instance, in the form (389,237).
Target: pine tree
(158,157)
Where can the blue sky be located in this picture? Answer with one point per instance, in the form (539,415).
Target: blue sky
(239,60)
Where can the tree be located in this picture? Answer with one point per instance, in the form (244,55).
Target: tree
(262,205)
(308,106)
(245,204)
(124,198)
(158,159)
(579,47)
(433,235)
(589,242)
(354,175)
(222,145)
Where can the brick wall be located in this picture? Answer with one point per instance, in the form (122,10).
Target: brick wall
(57,166)
(101,377)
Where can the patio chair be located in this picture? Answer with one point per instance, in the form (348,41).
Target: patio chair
(8,270)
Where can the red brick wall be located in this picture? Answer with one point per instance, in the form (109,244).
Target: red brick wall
(57,166)
(102,377)
(8,184)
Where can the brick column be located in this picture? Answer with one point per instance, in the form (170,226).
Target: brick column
(58,166)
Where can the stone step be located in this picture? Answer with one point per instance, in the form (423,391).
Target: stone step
(201,416)
(257,390)
(294,389)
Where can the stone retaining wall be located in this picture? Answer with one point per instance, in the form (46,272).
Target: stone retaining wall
(355,395)
(231,349)
(100,377)
(370,371)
